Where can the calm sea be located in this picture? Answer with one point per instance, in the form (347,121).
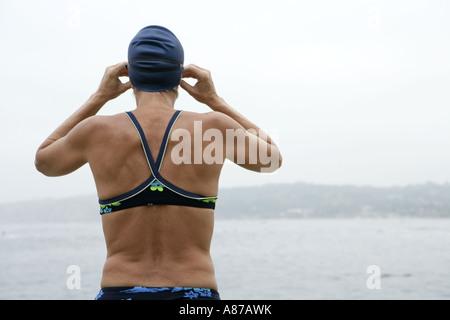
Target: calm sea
(254,259)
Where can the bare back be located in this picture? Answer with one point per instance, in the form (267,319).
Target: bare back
(163,245)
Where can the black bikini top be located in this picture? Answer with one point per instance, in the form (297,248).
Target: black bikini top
(155,190)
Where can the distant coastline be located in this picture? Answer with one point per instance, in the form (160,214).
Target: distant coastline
(287,200)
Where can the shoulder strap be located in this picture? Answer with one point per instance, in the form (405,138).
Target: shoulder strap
(162,149)
(148,154)
(154,167)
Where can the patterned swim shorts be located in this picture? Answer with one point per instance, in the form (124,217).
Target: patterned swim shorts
(156,293)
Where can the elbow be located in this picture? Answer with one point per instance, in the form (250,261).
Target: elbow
(41,166)
(38,162)
(277,161)
(274,164)
(45,170)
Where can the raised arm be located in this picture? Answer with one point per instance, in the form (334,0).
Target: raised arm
(64,150)
(253,148)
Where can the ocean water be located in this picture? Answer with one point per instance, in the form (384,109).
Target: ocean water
(401,258)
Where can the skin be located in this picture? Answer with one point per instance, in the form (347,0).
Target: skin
(153,246)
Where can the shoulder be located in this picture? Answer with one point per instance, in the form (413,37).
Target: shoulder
(99,122)
(93,128)
(88,126)
(213,119)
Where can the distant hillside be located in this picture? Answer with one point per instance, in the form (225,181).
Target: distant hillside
(76,209)
(297,200)
(302,200)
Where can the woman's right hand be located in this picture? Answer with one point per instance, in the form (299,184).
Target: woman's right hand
(203,91)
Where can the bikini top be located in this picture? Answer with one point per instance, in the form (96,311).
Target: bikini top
(155,190)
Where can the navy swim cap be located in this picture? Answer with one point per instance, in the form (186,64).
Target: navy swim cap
(155,60)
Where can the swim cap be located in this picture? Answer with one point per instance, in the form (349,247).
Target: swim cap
(155,59)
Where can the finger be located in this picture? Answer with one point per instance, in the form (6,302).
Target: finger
(121,64)
(125,86)
(188,73)
(199,69)
(191,71)
(123,72)
(120,69)
(186,86)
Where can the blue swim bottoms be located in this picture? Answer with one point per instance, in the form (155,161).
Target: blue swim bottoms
(156,293)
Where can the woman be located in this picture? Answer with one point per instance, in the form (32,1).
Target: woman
(157,210)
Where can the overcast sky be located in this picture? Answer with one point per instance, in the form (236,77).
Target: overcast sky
(355,92)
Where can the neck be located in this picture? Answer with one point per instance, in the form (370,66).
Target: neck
(152,100)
